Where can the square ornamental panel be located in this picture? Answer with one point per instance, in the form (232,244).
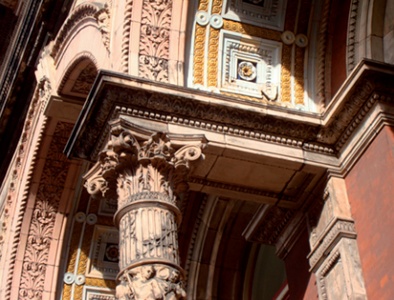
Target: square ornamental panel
(250,66)
(104,253)
(264,13)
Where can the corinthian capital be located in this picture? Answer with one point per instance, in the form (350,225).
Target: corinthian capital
(129,167)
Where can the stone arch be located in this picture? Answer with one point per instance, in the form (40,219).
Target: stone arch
(78,76)
(366,31)
(219,257)
(80,40)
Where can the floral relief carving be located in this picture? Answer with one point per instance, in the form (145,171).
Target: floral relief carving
(10,211)
(130,169)
(43,217)
(155,39)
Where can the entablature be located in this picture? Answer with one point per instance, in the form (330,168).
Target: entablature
(255,151)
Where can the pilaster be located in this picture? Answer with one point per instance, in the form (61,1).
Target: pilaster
(334,256)
(146,178)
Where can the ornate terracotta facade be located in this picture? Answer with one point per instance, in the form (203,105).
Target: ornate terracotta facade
(217,149)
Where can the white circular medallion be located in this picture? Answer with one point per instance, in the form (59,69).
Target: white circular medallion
(80,279)
(91,219)
(69,278)
(301,40)
(288,37)
(216,21)
(80,217)
(202,18)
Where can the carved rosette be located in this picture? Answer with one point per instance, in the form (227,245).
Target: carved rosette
(146,179)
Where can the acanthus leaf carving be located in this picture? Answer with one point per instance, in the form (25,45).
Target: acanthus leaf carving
(126,167)
(155,39)
(40,231)
(158,147)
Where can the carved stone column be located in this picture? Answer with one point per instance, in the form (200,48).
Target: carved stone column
(334,256)
(146,179)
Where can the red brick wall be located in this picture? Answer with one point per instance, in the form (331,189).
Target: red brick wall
(370,187)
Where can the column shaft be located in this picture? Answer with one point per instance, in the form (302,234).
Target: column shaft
(146,180)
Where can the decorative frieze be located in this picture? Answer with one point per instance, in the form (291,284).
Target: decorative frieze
(146,179)
(93,293)
(352,38)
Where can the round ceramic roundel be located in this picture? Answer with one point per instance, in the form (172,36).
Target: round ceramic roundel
(202,18)
(247,71)
(112,253)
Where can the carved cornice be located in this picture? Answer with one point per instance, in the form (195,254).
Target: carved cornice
(179,110)
(326,133)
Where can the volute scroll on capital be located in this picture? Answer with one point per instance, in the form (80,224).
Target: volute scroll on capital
(153,166)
